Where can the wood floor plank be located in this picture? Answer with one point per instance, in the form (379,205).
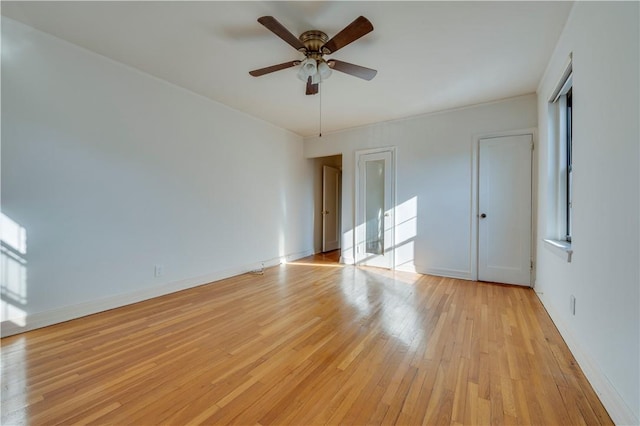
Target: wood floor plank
(310,342)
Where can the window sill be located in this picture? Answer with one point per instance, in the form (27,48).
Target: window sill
(559,248)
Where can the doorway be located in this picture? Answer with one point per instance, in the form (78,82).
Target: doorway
(328,207)
(504,209)
(375,201)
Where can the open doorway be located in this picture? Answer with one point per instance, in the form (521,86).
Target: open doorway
(327,216)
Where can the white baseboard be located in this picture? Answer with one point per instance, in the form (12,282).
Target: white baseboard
(407,267)
(347,260)
(443,272)
(67,313)
(295,256)
(619,411)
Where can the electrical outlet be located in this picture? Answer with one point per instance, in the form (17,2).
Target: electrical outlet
(572,304)
(158,271)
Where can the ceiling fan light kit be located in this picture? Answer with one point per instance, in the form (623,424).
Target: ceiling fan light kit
(308,68)
(318,70)
(324,70)
(314,45)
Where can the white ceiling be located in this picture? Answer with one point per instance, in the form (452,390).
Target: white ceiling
(430,56)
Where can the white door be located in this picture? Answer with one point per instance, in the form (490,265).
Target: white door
(504,210)
(330,208)
(374,207)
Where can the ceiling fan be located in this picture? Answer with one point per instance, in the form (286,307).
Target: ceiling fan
(314,45)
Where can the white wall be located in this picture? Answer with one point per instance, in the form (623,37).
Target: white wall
(434,179)
(603,274)
(111,171)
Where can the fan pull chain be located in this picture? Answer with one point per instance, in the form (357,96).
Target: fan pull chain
(320,95)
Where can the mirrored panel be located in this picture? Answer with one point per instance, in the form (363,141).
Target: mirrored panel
(374,206)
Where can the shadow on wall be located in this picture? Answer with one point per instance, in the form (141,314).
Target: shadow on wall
(406,233)
(13,284)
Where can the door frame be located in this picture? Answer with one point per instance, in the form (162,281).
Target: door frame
(475,188)
(338,212)
(359,257)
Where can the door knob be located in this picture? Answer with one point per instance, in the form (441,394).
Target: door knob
(483,215)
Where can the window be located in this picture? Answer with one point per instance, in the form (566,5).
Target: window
(568,159)
(560,193)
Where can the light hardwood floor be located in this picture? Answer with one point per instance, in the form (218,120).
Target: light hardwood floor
(306,343)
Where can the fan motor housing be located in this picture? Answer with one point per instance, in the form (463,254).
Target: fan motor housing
(313,40)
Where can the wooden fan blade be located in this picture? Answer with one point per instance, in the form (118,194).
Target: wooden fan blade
(352,69)
(272,68)
(278,29)
(312,89)
(349,34)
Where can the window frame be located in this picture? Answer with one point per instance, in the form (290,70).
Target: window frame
(559,229)
(568,154)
